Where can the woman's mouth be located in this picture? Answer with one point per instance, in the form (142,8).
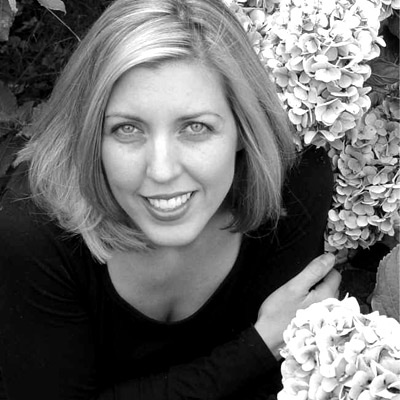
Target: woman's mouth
(171,204)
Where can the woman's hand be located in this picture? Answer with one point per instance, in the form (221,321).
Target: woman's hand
(318,281)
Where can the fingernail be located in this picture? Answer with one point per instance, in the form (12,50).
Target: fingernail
(329,258)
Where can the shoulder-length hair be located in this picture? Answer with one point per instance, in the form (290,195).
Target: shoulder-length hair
(66,174)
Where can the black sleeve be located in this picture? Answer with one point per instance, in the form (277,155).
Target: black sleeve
(230,369)
(307,198)
(45,336)
(47,349)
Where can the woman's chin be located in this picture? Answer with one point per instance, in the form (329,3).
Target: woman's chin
(180,239)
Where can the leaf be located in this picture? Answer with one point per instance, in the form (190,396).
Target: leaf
(24,113)
(386,295)
(8,102)
(384,73)
(393,25)
(33,115)
(13,5)
(9,147)
(57,5)
(7,12)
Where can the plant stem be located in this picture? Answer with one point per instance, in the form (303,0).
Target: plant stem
(59,19)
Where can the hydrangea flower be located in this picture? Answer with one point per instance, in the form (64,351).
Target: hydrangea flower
(367,183)
(317,53)
(387,8)
(326,46)
(332,351)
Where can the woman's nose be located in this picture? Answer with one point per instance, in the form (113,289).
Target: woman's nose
(162,159)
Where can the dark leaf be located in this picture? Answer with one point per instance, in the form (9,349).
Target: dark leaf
(7,13)
(9,146)
(5,128)
(383,73)
(8,102)
(24,113)
(56,5)
(393,24)
(386,296)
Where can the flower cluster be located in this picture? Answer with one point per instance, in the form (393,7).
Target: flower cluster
(255,17)
(367,185)
(387,8)
(333,351)
(317,53)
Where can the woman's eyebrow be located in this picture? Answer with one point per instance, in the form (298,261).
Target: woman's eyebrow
(200,114)
(122,115)
(182,118)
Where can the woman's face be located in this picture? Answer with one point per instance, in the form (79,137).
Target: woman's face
(168,149)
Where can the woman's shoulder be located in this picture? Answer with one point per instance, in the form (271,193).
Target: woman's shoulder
(20,216)
(306,195)
(37,252)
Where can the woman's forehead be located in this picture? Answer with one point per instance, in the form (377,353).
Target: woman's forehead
(189,84)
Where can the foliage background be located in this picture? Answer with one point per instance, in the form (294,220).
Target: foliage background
(39,45)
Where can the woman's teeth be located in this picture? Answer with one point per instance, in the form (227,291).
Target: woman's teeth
(170,204)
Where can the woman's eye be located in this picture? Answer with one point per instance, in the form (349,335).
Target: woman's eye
(127,128)
(127,131)
(197,128)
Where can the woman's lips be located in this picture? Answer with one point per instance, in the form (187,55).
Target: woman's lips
(169,204)
(168,208)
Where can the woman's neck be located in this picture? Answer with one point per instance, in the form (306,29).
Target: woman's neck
(213,236)
(171,283)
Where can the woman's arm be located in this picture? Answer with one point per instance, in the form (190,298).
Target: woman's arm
(228,371)
(298,276)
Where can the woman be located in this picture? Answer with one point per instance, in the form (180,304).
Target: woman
(163,237)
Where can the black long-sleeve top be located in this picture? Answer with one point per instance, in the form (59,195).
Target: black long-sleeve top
(65,333)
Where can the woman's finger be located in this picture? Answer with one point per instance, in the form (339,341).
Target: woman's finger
(315,272)
(329,286)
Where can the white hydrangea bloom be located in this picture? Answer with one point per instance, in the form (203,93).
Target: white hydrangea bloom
(333,351)
(317,53)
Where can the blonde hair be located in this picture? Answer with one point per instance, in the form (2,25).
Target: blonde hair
(66,174)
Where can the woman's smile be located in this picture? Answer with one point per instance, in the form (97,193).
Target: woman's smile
(169,208)
(169,149)
(169,203)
